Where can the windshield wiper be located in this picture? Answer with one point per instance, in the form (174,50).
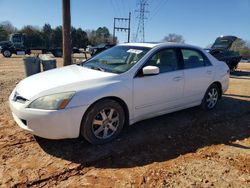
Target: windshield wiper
(98,68)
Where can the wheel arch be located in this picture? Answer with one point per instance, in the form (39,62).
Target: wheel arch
(123,105)
(213,84)
(118,100)
(218,84)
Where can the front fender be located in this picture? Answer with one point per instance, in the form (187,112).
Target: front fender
(88,96)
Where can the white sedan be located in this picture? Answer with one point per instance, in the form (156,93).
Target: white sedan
(122,85)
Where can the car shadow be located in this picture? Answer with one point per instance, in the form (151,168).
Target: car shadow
(234,95)
(240,74)
(16,56)
(160,139)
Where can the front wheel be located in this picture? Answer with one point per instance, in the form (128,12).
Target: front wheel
(103,122)
(7,53)
(211,98)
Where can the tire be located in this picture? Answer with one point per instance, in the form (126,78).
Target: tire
(211,98)
(6,53)
(105,128)
(232,68)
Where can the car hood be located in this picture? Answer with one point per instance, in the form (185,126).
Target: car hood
(224,42)
(3,43)
(70,78)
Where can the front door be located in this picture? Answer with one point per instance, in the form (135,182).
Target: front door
(154,94)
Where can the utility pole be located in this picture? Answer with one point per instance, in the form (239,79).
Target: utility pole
(126,28)
(129,30)
(66,32)
(140,28)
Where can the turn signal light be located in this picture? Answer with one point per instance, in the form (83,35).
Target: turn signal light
(64,103)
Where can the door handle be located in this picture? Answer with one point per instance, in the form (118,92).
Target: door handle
(178,78)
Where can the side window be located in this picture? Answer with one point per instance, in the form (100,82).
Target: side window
(16,39)
(193,59)
(166,60)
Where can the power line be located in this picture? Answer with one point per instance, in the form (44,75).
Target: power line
(113,5)
(140,33)
(124,7)
(157,8)
(118,7)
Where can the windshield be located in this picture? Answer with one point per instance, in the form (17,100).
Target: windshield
(118,59)
(221,44)
(224,42)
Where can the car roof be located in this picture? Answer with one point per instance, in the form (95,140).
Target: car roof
(162,44)
(140,44)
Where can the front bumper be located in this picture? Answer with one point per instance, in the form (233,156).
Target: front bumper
(51,124)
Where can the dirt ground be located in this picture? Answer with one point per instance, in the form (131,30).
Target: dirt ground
(190,148)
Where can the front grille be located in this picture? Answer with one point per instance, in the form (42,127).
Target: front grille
(19,98)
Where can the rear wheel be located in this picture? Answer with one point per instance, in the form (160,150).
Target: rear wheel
(103,122)
(6,53)
(211,97)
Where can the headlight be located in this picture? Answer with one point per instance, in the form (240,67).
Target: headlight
(52,102)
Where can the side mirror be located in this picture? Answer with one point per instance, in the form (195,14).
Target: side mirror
(151,70)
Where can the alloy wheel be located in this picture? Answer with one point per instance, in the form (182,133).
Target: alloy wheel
(212,98)
(105,123)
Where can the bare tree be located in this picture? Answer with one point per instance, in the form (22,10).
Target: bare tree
(242,47)
(6,28)
(238,44)
(172,37)
(99,36)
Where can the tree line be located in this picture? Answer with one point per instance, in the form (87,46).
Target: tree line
(52,37)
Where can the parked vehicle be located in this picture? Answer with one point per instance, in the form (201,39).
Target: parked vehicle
(99,48)
(221,50)
(245,60)
(19,46)
(122,85)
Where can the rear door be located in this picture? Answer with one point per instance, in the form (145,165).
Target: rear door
(198,74)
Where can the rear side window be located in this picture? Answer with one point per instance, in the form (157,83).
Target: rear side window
(194,59)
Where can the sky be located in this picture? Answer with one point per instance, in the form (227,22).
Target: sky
(198,21)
